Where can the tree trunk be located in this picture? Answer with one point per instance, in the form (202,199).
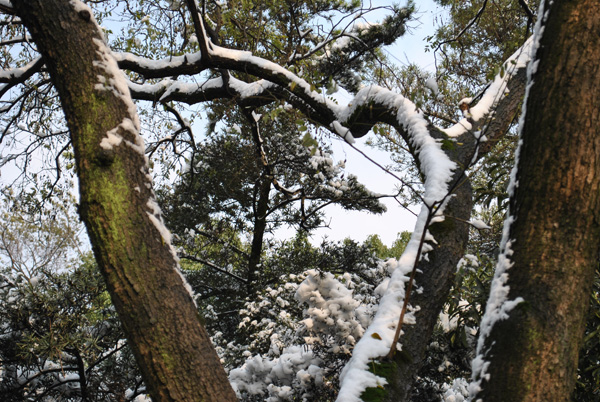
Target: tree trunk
(130,243)
(261,206)
(435,277)
(553,240)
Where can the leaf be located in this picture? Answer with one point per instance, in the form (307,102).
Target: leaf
(376,336)
(308,141)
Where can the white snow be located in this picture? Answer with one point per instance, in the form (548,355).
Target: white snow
(168,62)
(343,132)
(466,101)
(495,91)
(17,72)
(295,82)
(114,139)
(479,224)
(259,374)
(432,84)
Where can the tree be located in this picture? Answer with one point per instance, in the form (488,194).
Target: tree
(298,331)
(61,338)
(535,318)
(130,243)
(281,178)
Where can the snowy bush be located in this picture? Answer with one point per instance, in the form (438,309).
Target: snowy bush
(297,336)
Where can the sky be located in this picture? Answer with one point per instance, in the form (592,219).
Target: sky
(358,225)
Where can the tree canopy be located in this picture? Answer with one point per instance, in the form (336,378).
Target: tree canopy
(112,92)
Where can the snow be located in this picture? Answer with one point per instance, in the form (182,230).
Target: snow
(168,62)
(494,92)
(114,139)
(306,94)
(498,306)
(466,101)
(479,224)
(456,392)
(343,132)
(168,87)
(17,72)
(330,304)
(259,375)
(6,3)
(432,85)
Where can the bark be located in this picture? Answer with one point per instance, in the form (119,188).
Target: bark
(434,280)
(436,275)
(173,351)
(554,237)
(258,232)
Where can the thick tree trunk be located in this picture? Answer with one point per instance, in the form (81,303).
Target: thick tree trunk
(532,351)
(130,243)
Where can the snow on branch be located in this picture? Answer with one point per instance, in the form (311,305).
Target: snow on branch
(6,7)
(494,93)
(438,171)
(19,75)
(371,105)
(187,64)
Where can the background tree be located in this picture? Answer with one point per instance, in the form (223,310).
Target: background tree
(280,178)
(61,338)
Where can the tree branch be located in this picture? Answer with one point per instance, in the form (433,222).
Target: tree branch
(212,266)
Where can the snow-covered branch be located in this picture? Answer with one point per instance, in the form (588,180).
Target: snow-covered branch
(6,7)
(19,75)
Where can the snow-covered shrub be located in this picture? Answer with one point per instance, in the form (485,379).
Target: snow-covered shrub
(296,372)
(332,311)
(299,335)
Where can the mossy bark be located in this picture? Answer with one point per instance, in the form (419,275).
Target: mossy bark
(533,353)
(173,351)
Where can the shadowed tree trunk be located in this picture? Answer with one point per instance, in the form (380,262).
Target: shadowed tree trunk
(117,205)
(261,205)
(553,240)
